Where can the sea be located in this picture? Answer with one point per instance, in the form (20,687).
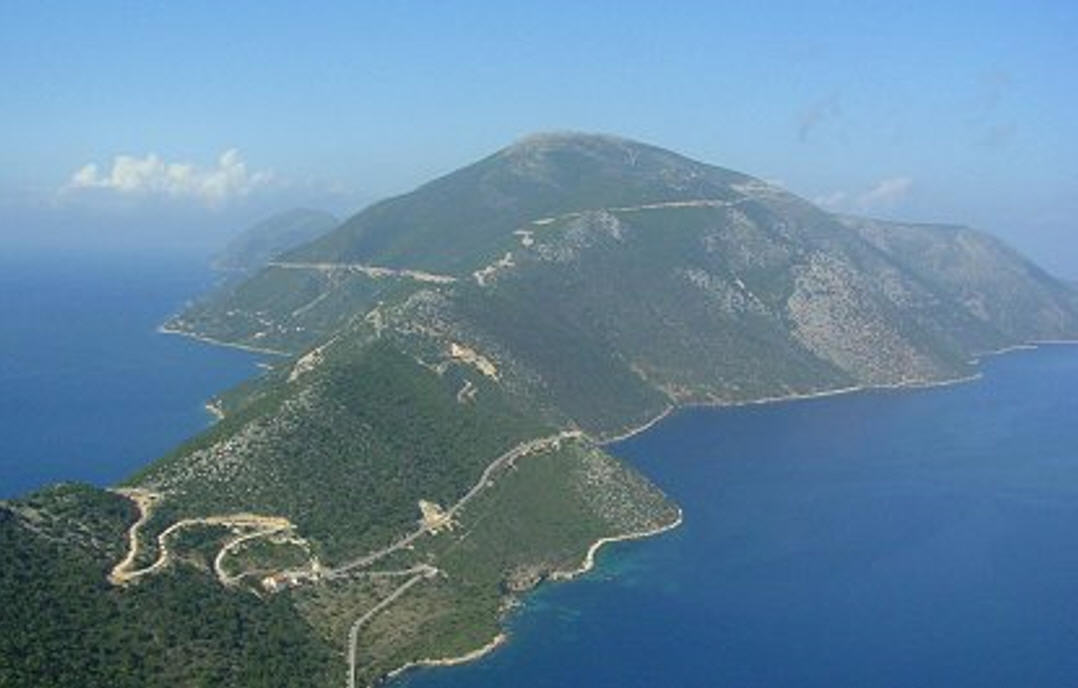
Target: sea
(89,390)
(918,538)
(914,538)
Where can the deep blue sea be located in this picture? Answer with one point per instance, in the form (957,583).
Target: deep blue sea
(911,539)
(89,390)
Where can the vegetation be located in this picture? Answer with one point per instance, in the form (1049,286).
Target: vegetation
(454,223)
(349,464)
(533,522)
(64,624)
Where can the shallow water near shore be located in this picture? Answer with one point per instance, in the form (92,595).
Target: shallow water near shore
(91,392)
(891,538)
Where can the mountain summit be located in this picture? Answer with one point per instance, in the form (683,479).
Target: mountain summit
(457,219)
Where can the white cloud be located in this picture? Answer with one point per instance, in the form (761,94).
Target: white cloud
(885,194)
(150,175)
(835,199)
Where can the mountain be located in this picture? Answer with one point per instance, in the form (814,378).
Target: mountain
(255,246)
(428,446)
(682,282)
(459,220)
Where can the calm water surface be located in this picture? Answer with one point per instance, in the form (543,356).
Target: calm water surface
(918,538)
(88,389)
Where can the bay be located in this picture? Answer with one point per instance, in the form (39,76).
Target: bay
(891,538)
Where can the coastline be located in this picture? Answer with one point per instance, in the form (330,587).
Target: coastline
(213,407)
(912,384)
(999,352)
(165,329)
(586,565)
(589,559)
(634,430)
(496,642)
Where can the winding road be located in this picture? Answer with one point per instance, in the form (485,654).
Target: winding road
(262,526)
(124,572)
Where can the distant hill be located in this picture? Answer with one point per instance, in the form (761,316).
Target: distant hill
(255,246)
(430,446)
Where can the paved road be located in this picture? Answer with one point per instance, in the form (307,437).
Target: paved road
(522,449)
(422,571)
(374,271)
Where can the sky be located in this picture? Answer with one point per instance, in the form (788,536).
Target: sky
(171,125)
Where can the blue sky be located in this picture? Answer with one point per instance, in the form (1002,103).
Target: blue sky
(961,112)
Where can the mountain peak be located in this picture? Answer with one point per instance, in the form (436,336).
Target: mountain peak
(543,140)
(615,150)
(458,221)
(620,160)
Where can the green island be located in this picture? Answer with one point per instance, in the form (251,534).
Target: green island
(428,444)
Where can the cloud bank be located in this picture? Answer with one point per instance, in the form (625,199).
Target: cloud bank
(152,176)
